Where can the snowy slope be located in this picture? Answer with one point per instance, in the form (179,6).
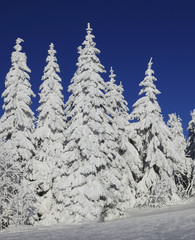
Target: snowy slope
(176,222)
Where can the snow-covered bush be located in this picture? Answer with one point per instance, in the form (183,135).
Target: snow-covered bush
(16,196)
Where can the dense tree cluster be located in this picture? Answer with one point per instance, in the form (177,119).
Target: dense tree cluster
(88,158)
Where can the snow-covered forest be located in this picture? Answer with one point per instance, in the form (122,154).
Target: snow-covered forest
(89,158)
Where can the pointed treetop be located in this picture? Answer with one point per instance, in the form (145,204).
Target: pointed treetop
(89,29)
(150,63)
(51,46)
(19,40)
(121,85)
(17,47)
(121,89)
(112,75)
(111,71)
(51,50)
(149,71)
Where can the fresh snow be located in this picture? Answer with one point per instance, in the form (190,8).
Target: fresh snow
(175,222)
(90,151)
(84,160)
(191,138)
(49,139)
(164,178)
(16,149)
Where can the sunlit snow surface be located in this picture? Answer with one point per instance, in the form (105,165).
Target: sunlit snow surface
(174,223)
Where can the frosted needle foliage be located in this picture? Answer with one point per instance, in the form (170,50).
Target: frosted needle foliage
(191,137)
(88,159)
(49,138)
(17,148)
(93,184)
(128,154)
(17,121)
(162,166)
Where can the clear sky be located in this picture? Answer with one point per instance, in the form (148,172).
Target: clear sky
(128,33)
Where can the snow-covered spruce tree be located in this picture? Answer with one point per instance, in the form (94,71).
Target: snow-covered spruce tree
(129,156)
(191,137)
(92,187)
(190,151)
(16,132)
(161,162)
(175,126)
(49,138)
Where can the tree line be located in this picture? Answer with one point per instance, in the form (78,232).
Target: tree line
(88,158)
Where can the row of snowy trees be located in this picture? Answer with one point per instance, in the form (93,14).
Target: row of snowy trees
(88,158)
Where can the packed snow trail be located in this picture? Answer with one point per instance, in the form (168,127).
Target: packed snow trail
(172,223)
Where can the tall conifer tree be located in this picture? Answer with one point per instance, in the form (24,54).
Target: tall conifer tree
(16,131)
(190,151)
(17,121)
(191,137)
(49,137)
(179,141)
(119,113)
(163,167)
(175,126)
(92,187)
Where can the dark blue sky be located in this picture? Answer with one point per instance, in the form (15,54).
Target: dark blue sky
(127,32)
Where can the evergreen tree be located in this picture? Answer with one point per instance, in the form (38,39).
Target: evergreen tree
(16,132)
(175,126)
(49,137)
(191,137)
(119,112)
(161,162)
(191,150)
(17,120)
(92,187)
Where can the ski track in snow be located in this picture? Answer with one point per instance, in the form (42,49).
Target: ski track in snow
(172,223)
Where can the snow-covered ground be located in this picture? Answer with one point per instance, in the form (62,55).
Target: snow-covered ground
(174,223)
